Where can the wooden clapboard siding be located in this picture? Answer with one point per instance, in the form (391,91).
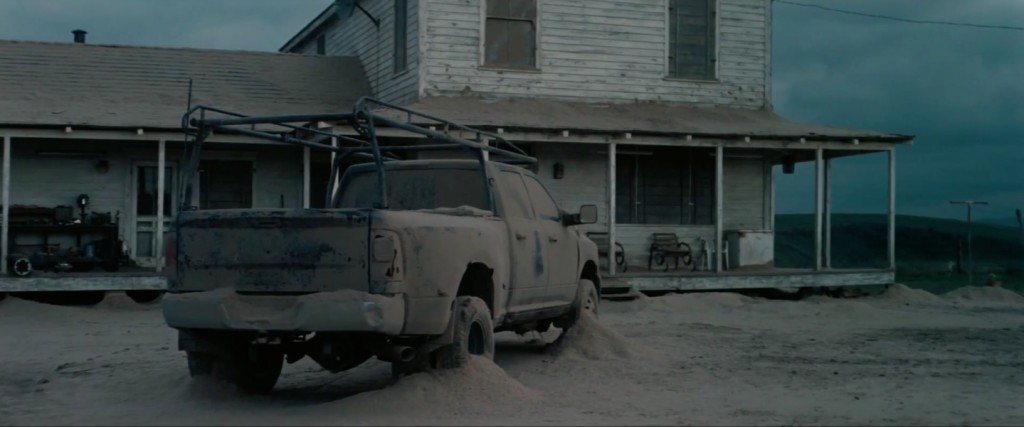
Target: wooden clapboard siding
(356,36)
(599,50)
(584,182)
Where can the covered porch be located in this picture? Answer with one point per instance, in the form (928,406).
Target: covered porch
(709,183)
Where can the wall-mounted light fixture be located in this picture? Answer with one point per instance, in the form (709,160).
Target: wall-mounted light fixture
(788,165)
(559,170)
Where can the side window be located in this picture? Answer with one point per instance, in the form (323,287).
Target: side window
(517,203)
(542,202)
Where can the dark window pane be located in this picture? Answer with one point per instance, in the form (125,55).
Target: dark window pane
(411,189)
(543,204)
(517,203)
(146,188)
(496,42)
(521,43)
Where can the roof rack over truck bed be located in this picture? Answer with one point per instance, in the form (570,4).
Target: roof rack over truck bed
(200,122)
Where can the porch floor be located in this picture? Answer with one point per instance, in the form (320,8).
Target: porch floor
(125,279)
(642,279)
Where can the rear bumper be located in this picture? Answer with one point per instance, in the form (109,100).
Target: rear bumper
(342,311)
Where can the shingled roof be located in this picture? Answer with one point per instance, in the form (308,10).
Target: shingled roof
(114,86)
(638,118)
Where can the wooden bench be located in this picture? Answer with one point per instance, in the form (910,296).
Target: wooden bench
(667,245)
(601,239)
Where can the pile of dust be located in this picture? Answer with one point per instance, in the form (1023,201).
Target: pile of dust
(688,302)
(479,387)
(905,295)
(593,340)
(985,294)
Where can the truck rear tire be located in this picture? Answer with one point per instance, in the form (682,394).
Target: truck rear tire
(473,334)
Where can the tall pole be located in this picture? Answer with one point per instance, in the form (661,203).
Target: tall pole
(970,252)
(719,221)
(611,208)
(819,206)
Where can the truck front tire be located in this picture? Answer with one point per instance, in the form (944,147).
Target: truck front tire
(473,334)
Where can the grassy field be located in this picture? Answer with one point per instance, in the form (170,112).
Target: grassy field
(925,248)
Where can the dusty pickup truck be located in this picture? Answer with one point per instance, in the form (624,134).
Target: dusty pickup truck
(464,249)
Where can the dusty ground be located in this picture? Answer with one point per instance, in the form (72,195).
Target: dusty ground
(903,358)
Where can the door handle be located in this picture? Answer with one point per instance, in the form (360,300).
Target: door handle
(552,239)
(520,236)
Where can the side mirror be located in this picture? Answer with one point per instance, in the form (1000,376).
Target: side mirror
(587,215)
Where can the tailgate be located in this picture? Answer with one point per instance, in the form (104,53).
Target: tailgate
(273,251)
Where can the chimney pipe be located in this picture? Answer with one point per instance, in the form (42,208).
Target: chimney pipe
(79,36)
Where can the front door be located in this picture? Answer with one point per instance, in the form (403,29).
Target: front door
(142,236)
(529,264)
(560,247)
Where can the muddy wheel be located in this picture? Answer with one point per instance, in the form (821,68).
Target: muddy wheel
(144,297)
(473,334)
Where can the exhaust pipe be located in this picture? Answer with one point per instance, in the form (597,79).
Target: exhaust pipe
(402,353)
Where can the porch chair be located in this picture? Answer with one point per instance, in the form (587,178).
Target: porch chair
(707,252)
(602,240)
(667,245)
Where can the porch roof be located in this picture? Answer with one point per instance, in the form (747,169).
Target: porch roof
(638,118)
(113,86)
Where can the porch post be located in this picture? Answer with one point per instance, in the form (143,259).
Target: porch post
(718,208)
(4,250)
(611,209)
(333,185)
(160,183)
(819,202)
(305,178)
(828,213)
(892,208)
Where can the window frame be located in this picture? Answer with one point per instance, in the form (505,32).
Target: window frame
(715,37)
(482,45)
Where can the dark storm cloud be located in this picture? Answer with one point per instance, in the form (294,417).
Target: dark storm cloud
(219,24)
(958,89)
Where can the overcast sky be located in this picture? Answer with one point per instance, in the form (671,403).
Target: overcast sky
(958,89)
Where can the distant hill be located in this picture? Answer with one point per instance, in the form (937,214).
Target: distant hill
(859,240)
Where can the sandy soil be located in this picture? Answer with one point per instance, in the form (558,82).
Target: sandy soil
(905,357)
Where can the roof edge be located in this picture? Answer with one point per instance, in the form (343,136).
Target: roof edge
(310,27)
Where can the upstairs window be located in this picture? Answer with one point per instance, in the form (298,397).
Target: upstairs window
(321,45)
(691,41)
(510,34)
(400,54)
